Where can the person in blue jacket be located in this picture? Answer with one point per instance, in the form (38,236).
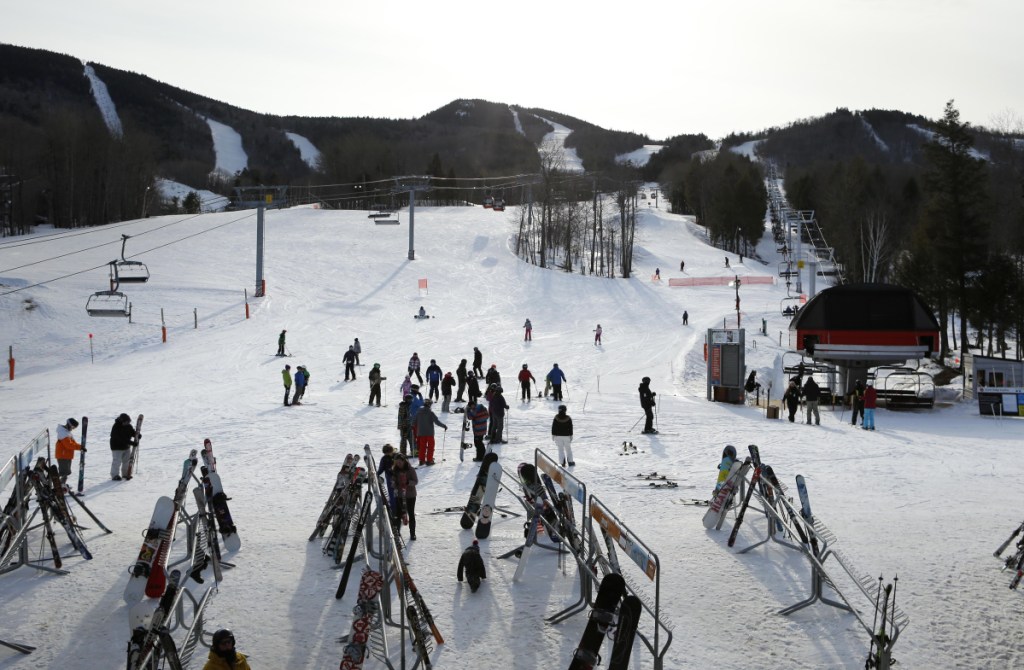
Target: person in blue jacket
(556,377)
(434,375)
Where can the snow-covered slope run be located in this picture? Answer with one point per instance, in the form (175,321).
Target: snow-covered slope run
(641,156)
(310,154)
(104,102)
(227,145)
(210,201)
(554,144)
(748,149)
(515,119)
(874,135)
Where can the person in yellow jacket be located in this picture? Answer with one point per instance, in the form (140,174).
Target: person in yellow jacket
(286,374)
(223,655)
(66,448)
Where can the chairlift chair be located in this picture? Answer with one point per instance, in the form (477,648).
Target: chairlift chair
(130,272)
(109,303)
(791,304)
(499,205)
(488,201)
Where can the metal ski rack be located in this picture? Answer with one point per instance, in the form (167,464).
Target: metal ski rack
(166,650)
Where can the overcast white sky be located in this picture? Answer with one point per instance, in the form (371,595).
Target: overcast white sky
(660,68)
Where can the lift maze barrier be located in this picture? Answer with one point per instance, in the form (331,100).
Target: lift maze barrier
(791,525)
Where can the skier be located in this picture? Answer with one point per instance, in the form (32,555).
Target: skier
(414,367)
(857,396)
(597,335)
(728,458)
(305,382)
(870,401)
(287,375)
(349,359)
(497,407)
(561,433)
(473,566)
(686,318)
(121,436)
(434,375)
(404,433)
(478,361)
(647,402)
(406,386)
(682,265)
(528,337)
(300,384)
(280,343)
(556,377)
(222,654)
(425,422)
(525,377)
(492,377)
(461,374)
(477,415)
(657,273)
(405,491)
(726,261)
(472,389)
(386,461)
(375,379)
(447,384)
(813,394)
(792,399)
(356,347)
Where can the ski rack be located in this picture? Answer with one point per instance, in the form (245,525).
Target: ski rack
(794,525)
(614,532)
(193,634)
(574,489)
(20,523)
(531,517)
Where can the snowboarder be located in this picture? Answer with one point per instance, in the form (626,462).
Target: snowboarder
(812,394)
(647,402)
(556,377)
(356,347)
(300,384)
(870,401)
(375,379)
(472,389)
(121,436)
(405,491)
(280,343)
(349,359)
(525,377)
(561,433)
(477,415)
(473,566)
(492,377)
(461,373)
(404,433)
(414,367)
(447,384)
(528,337)
(222,654)
(422,313)
(792,399)
(425,422)
(497,407)
(597,335)
(857,396)
(434,375)
(686,318)
(478,361)
(286,374)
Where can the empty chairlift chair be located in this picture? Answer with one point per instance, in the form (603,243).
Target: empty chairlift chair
(109,303)
(130,272)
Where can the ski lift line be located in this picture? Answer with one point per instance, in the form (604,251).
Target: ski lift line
(107,264)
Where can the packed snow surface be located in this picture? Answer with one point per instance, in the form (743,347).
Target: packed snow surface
(310,154)
(928,496)
(554,144)
(640,157)
(103,101)
(227,146)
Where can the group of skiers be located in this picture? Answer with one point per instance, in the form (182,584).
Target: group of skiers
(301,379)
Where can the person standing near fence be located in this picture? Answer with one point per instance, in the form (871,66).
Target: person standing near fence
(561,433)
(66,445)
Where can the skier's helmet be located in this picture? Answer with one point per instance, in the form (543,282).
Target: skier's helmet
(729,451)
(499,389)
(646,380)
(562,409)
(72,423)
(524,366)
(124,418)
(222,635)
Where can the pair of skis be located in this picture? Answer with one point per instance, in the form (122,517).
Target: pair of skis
(365,613)
(603,617)
(49,490)
(476,495)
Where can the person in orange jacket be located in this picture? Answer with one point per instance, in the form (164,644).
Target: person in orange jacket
(66,448)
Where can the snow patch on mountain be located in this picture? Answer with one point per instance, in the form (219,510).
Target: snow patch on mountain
(748,149)
(209,201)
(310,154)
(227,146)
(519,124)
(104,102)
(639,157)
(554,143)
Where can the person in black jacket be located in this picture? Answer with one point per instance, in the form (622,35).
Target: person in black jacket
(349,359)
(122,435)
(472,565)
(478,362)
(492,376)
(647,402)
(561,433)
(472,389)
(461,373)
(792,399)
(812,394)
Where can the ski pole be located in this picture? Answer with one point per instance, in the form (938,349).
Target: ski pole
(637,422)
(444,440)
(508,425)
(566,385)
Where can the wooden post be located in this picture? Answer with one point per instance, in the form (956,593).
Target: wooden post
(195,318)
(10,362)
(163,326)
(247,303)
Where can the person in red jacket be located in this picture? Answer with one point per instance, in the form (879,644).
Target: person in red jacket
(525,377)
(870,401)
(66,448)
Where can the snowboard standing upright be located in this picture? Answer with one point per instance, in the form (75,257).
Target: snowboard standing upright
(161,519)
(483,524)
(625,633)
(588,653)
(133,455)
(477,494)
(157,582)
(218,500)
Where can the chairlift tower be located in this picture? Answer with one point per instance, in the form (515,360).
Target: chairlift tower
(412,184)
